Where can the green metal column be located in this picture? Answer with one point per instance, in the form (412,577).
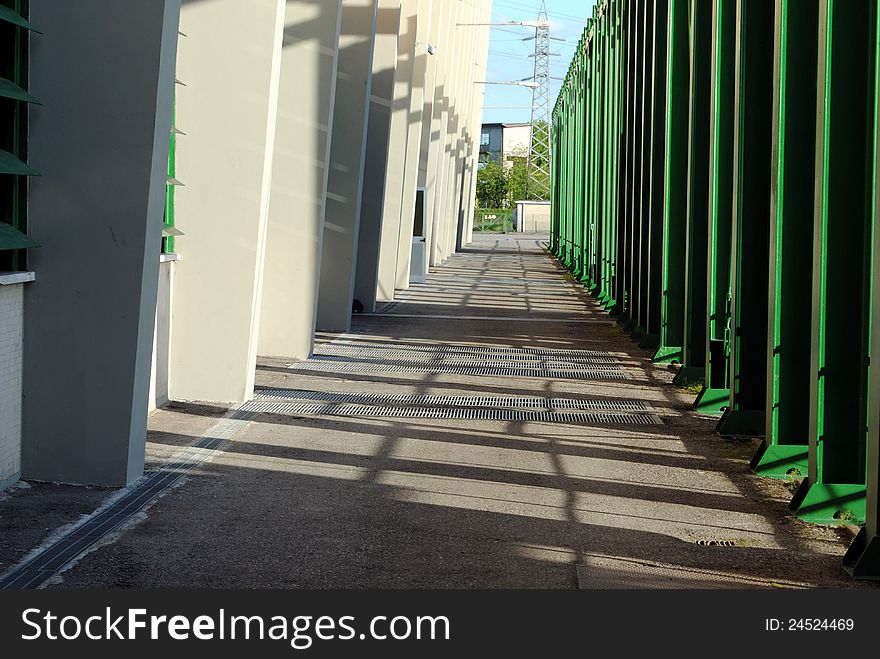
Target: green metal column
(654,291)
(675,185)
(862,560)
(783,453)
(693,369)
(750,247)
(834,490)
(639,288)
(625,221)
(715,393)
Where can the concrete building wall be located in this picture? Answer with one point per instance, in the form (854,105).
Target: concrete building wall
(299,179)
(395,176)
(347,154)
(230,62)
(11,316)
(100,140)
(419,102)
(532,216)
(382,88)
(517,140)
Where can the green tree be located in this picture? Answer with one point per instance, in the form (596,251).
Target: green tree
(491,185)
(517,179)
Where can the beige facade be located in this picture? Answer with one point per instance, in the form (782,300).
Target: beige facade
(299,132)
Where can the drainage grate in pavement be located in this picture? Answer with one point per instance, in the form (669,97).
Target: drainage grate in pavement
(36,570)
(476,414)
(717,543)
(621,405)
(431,360)
(428,368)
(493,351)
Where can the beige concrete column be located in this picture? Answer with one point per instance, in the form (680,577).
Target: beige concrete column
(420,100)
(388,27)
(347,154)
(104,72)
(476,118)
(434,143)
(230,64)
(398,149)
(299,178)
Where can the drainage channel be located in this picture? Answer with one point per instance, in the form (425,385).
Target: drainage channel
(467,413)
(428,368)
(603,404)
(387,357)
(35,570)
(470,351)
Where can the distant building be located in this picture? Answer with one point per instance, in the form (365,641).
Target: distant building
(500,142)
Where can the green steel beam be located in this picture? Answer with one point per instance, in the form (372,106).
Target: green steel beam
(716,393)
(783,453)
(694,336)
(750,247)
(834,490)
(623,283)
(657,178)
(641,222)
(675,186)
(862,560)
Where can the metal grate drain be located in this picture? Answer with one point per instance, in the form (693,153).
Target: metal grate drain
(35,571)
(717,543)
(494,351)
(455,362)
(476,414)
(621,405)
(424,355)
(548,373)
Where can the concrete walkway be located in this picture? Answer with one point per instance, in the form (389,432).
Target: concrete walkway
(383,484)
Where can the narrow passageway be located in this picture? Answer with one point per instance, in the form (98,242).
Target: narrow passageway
(491,428)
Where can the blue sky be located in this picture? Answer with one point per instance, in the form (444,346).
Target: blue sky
(509,55)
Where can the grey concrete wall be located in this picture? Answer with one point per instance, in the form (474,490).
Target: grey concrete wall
(397,150)
(299,178)
(230,62)
(377,156)
(411,176)
(100,140)
(433,111)
(347,154)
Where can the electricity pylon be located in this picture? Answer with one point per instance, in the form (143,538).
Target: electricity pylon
(538,181)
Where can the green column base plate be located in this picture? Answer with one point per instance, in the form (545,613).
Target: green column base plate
(667,355)
(712,401)
(829,503)
(783,461)
(862,559)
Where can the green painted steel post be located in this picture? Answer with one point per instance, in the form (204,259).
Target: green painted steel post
(675,186)
(783,453)
(693,369)
(641,224)
(654,288)
(715,394)
(624,243)
(750,235)
(834,490)
(862,560)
